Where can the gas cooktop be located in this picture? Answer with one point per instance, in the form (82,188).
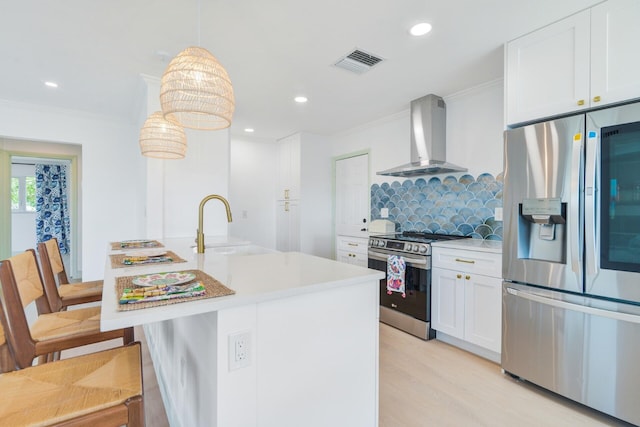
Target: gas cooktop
(419,236)
(414,242)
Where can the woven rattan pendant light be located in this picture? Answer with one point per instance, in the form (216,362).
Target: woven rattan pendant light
(162,138)
(196,91)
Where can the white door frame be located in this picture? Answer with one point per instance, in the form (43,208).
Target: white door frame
(6,157)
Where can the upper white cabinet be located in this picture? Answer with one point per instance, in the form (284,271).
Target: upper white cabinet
(288,168)
(615,34)
(303,198)
(586,60)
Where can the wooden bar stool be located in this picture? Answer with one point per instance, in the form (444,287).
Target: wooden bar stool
(20,285)
(60,289)
(98,389)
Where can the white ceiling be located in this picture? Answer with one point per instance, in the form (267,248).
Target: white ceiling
(272,50)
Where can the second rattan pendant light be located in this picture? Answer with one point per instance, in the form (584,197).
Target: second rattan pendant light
(196,91)
(162,138)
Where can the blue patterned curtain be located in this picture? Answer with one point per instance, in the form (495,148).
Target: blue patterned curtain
(52,209)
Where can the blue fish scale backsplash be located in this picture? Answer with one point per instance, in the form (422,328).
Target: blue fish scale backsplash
(463,207)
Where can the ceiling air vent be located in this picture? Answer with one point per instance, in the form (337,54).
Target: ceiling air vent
(358,61)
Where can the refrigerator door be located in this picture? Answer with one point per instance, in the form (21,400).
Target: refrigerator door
(543,217)
(583,348)
(612,203)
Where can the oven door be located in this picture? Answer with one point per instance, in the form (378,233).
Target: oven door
(417,284)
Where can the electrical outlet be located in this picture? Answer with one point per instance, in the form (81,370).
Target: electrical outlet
(239,350)
(498,214)
(384,213)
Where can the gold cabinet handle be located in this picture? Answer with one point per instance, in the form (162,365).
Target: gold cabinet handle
(352,244)
(467,277)
(465,261)
(596,99)
(581,102)
(286,206)
(459,276)
(286,194)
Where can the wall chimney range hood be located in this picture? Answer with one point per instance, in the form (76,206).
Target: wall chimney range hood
(428,140)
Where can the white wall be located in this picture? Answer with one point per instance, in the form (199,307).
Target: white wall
(111,182)
(387,139)
(114,177)
(475,126)
(474,134)
(252,189)
(175,187)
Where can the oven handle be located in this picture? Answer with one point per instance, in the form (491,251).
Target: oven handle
(420,263)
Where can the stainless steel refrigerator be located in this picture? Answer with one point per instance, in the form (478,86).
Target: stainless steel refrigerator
(571,258)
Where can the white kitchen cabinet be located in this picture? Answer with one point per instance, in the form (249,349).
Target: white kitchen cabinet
(583,61)
(352,250)
(614,51)
(288,226)
(289,167)
(467,296)
(303,197)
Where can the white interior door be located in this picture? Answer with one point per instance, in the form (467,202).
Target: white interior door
(352,195)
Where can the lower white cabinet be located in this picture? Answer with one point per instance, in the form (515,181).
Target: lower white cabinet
(467,296)
(352,250)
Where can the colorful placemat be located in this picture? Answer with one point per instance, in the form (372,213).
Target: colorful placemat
(117,260)
(213,288)
(136,244)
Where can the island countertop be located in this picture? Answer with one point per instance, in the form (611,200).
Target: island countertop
(255,274)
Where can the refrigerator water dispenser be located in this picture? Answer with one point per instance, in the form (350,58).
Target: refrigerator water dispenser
(541,229)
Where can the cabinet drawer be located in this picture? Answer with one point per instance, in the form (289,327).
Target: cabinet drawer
(486,263)
(356,245)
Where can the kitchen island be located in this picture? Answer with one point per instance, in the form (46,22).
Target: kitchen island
(308,328)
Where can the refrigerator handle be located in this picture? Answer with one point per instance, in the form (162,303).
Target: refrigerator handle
(590,203)
(574,205)
(616,315)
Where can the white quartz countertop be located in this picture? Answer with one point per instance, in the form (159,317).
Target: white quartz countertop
(256,274)
(493,246)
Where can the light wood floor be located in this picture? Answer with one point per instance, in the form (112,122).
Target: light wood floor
(430,383)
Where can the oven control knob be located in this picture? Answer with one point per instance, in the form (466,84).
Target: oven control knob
(381,243)
(415,248)
(423,249)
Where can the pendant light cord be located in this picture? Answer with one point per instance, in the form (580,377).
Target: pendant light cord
(199,44)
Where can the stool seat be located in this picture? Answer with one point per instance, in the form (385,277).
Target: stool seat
(60,292)
(66,323)
(89,291)
(109,381)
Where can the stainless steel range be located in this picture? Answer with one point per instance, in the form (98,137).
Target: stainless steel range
(408,309)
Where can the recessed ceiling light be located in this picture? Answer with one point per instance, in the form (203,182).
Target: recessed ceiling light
(51,84)
(300,99)
(420,29)
(248,130)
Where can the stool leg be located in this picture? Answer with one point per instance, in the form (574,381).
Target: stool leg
(128,336)
(135,405)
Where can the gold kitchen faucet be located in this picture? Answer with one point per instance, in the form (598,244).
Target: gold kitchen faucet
(200,235)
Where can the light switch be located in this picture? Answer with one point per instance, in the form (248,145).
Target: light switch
(498,214)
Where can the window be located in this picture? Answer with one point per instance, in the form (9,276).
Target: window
(23,193)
